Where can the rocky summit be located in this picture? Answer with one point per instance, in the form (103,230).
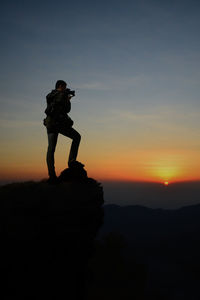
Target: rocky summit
(48,234)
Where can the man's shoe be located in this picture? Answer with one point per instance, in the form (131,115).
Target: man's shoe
(53,180)
(75,164)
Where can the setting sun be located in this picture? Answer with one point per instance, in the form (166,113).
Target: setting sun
(164,167)
(166,183)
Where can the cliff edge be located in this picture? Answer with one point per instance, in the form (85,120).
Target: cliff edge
(48,234)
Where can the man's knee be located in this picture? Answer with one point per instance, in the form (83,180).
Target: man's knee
(51,149)
(77,137)
(52,141)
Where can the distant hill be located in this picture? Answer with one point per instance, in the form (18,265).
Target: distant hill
(166,242)
(151,223)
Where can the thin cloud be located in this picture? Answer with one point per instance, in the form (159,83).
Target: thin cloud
(112,82)
(93,86)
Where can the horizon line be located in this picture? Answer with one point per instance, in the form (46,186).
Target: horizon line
(106,180)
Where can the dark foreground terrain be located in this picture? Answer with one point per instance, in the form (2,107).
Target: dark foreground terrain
(59,242)
(47,238)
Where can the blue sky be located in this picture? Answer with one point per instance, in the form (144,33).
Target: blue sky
(139,50)
(134,65)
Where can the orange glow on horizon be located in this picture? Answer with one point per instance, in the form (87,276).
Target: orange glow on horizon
(140,166)
(97,174)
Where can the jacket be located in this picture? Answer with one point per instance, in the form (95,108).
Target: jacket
(58,106)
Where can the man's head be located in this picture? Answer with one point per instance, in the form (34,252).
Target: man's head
(61,85)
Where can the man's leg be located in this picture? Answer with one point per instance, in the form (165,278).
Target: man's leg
(52,141)
(76,138)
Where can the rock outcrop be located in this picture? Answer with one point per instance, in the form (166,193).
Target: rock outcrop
(48,234)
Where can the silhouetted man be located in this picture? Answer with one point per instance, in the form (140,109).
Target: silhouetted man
(57,121)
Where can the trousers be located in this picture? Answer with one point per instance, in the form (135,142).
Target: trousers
(52,141)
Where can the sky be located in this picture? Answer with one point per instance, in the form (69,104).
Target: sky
(135,67)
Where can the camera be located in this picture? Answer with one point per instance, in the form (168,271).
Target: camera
(70,92)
